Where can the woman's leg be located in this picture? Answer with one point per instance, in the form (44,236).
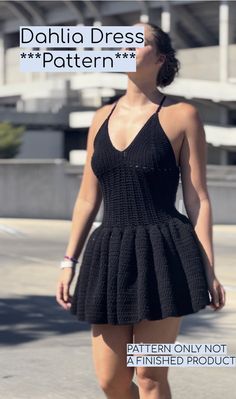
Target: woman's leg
(152,381)
(109,356)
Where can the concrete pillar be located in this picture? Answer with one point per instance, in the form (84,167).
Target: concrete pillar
(97,23)
(224,40)
(29,76)
(2,61)
(166,17)
(224,120)
(224,115)
(97,91)
(223,156)
(42,76)
(232,16)
(168,21)
(144,18)
(78,25)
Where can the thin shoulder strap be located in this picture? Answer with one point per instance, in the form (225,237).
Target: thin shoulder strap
(112,109)
(158,109)
(162,100)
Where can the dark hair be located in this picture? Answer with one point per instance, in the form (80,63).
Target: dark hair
(171,66)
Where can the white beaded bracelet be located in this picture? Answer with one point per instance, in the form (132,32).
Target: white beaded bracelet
(67,263)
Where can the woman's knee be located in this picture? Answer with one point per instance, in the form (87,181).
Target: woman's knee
(116,384)
(149,379)
(109,354)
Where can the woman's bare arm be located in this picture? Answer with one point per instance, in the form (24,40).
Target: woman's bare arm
(85,209)
(194,185)
(89,197)
(195,194)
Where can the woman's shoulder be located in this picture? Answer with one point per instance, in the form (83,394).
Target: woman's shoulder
(99,118)
(183,111)
(185,115)
(103,111)
(183,107)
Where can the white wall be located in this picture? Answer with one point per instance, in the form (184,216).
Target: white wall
(40,189)
(42,144)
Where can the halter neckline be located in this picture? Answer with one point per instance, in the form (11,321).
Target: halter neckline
(157,110)
(139,132)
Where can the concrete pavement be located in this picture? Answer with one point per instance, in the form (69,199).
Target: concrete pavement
(45,352)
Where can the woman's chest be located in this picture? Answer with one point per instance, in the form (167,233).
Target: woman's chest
(149,151)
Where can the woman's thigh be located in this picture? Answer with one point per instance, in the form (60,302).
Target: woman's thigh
(109,346)
(156,331)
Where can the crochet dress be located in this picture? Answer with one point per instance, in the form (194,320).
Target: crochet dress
(144,260)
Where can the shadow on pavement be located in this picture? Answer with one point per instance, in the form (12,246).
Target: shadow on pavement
(32,317)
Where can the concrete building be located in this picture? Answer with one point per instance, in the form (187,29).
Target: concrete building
(57,108)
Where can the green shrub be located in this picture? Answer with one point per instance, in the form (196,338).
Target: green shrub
(10,139)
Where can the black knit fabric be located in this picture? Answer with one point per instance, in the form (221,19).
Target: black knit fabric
(144,260)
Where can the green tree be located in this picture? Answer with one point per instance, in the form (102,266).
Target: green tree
(10,139)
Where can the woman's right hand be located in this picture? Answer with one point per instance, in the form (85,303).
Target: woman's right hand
(217,291)
(63,296)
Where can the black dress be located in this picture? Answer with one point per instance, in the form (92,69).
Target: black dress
(144,260)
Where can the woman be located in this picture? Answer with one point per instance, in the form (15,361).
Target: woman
(147,265)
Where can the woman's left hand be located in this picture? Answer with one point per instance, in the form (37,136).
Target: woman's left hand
(217,291)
